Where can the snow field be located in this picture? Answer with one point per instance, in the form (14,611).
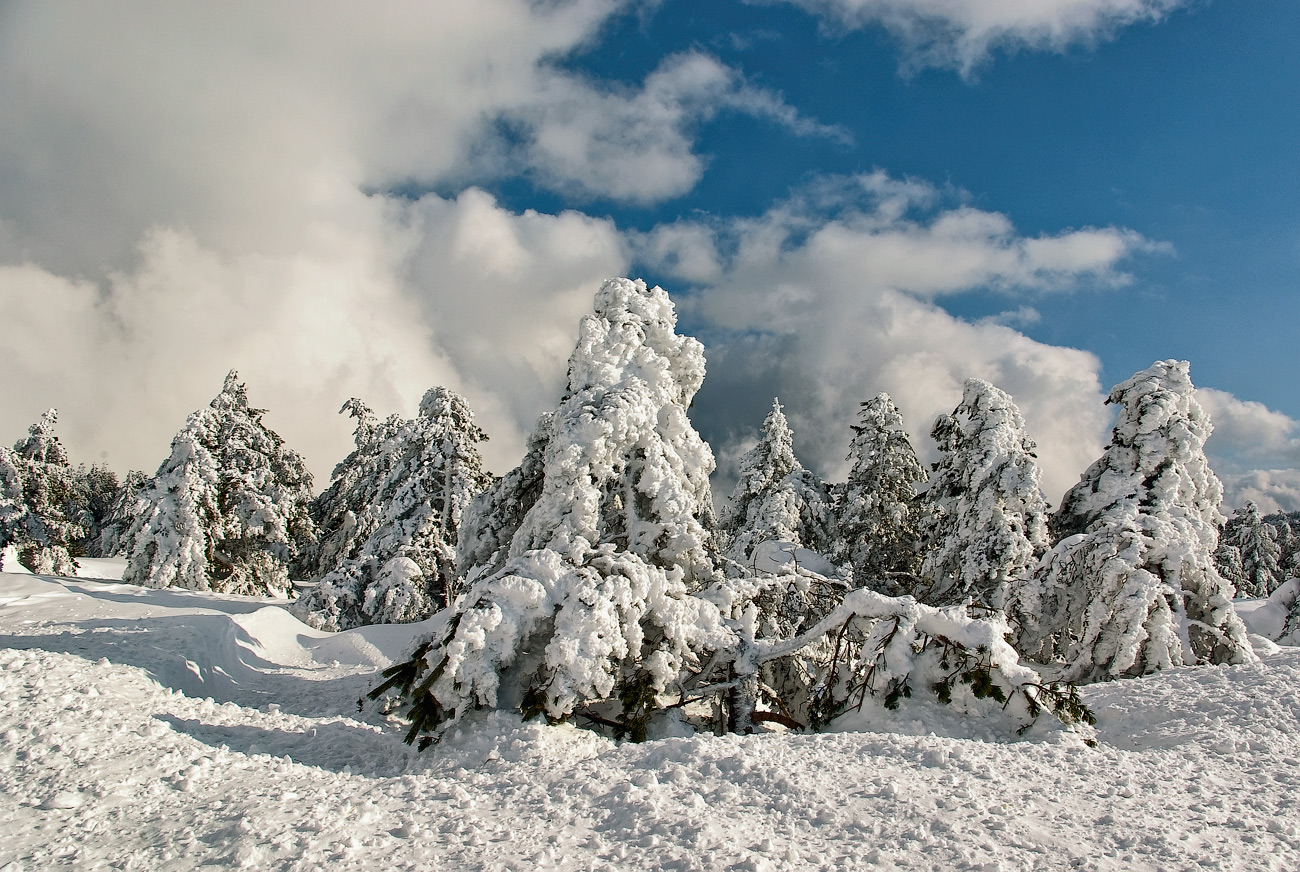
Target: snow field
(147,729)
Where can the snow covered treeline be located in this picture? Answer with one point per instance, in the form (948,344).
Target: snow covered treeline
(595,581)
(598,589)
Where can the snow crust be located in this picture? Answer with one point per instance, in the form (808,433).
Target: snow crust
(169,729)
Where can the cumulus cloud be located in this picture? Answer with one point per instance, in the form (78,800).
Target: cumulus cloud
(825,309)
(184,190)
(1255,450)
(498,299)
(960,34)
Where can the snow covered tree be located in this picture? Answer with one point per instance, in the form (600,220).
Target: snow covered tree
(878,525)
(581,601)
(1131,586)
(119,515)
(776,498)
(388,522)
(1257,548)
(984,517)
(43,501)
(227,511)
(1227,560)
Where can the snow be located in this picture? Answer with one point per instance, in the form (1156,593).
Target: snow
(171,729)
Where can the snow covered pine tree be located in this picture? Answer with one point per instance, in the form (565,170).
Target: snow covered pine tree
(227,511)
(43,501)
(1257,551)
(584,605)
(984,517)
(776,499)
(878,524)
(1131,586)
(388,522)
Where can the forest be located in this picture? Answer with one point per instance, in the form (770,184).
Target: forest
(597,582)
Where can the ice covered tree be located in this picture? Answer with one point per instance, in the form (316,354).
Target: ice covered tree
(1257,549)
(388,522)
(984,517)
(228,509)
(878,524)
(43,501)
(1131,586)
(776,498)
(581,597)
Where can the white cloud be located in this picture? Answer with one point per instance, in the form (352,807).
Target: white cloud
(1273,490)
(961,33)
(248,124)
(828,310)
(594,138)
(495,316)
(1254,449)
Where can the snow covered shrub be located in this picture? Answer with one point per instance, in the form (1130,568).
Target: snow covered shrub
(776,498)
(984,518)
(580,594)
(227,511)
(388,522)
(1131,587)
(1256,571)
(43,501)
(878,525)
(870,647)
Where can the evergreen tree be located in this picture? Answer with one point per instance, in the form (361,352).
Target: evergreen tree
(1227,560)
(1256,544)
(43,501)
(984,517)
(119,516)
(776,498)
(590,608)
(388,522)
(227,511)
(1131,587)
(878,523)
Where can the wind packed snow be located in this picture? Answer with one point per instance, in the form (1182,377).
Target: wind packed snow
(170,729)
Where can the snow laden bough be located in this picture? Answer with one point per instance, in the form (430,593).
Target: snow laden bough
(592,594)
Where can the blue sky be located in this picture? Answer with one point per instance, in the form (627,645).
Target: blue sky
(1186,130)
(843,196)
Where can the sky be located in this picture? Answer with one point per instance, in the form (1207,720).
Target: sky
(842,196)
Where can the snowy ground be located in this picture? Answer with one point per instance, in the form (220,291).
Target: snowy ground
(167,730)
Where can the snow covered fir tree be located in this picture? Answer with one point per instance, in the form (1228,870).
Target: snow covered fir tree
(50,511)
(776,499)
(1131,586)
(1249,555)
(227,511)
(984,516)
(879,532)
(387,524)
